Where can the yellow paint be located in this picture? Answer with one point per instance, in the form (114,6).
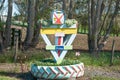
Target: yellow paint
(54,30)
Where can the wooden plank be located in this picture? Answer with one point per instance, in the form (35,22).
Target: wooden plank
(68,47)
(56,30)
(16,27)
(52,47)
(59,34)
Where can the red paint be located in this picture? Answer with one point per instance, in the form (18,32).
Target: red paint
(72,75)
(59,43)
(52,70)
(57,75)
(68,70)
(59,40)
(74,69)
(58,19)
(59,52)
(60,70)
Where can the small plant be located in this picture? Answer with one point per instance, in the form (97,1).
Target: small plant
(51,62)
(48,23)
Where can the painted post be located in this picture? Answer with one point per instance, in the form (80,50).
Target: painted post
(59,28)
(59,42)
(112,53)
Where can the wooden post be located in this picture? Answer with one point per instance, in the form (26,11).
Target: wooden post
(112,53)
(16,45)
(12,37)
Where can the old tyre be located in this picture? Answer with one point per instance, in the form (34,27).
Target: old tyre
(58,72)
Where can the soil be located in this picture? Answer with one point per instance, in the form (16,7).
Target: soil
(101,71)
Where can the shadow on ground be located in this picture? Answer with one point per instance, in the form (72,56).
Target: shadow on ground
(19,76)
(28,76)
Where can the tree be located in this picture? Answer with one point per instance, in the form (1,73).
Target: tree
(1,36)
(110,25)
(41,7)
(1,28)
(41,10)
(30,19)
(96,10)
(68,7)
(8,24)
(35,39)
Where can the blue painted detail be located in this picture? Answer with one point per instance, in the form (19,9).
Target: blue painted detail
(52,76)
(41,70)
(59,47)
(39,75)
(45,75)
(56,40)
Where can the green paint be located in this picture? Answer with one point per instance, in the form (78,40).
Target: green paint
(68,47)
(50,47)
(59,60)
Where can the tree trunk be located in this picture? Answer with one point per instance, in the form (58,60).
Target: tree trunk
(30,28)
(35,40)
(94,9)
(1,43)
(65,6)
(90,20)
(70,12)
(1,37)
(8,24)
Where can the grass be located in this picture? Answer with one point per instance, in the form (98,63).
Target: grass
(102,60)
(31,55)
(81,30)
(84,30)
(7,78)
(86,58)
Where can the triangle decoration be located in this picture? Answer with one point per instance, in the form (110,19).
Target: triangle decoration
(60,49)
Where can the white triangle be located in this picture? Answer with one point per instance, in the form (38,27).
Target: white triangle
(68,41)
